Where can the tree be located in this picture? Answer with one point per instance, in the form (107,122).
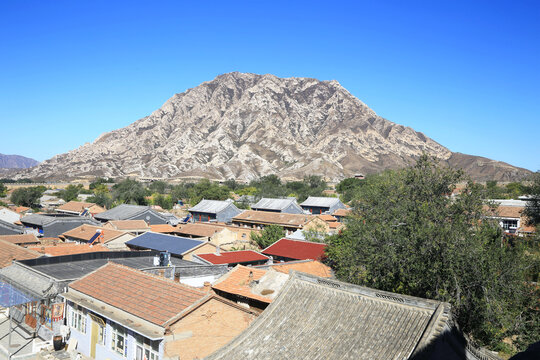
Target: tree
(158,187)
(532,210)
(348,188)
(269,235)
(71,192)
(129,192)
(3,189)
(27,196)
(407,235)
(103,199)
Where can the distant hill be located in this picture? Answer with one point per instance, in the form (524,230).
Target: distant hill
(244,126)
(16,162)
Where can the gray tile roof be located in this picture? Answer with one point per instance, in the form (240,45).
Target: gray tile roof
(315,318)
(43,220)
(320,201)
(211,206)
(29,282)
(10,227)
(122,212)
(273,204)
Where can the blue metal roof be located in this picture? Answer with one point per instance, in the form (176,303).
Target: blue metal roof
(161,242)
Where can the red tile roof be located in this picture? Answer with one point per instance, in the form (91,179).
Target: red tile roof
(233,257)
(296,249)
(10,252)
(147,296)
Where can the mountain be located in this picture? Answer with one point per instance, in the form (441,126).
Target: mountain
(16,162)
(244,126)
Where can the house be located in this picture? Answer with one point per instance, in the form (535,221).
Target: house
(47,225)
(79,208)
(22,210)
(289,250)
(135,212)
(117,312)
(9,215)
(287,206)
(21,239)
(10,252)
(181,247)
(7,228)
(312,267)
(318,318)
(214,210)
(163,228)
(341,214)
(135,227)
(290,222)
(250,287)
(322,205)
(509,214)
(89,234)
(226,237)
(50,201)
(232,258)
(60,249)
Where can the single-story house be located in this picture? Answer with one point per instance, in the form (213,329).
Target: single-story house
(226,237)
(88,234)
(181,247)
(24,240)
(509,214)
(79,208)
(135,227)
(287,206)
(117,312)
(322,205)
(136,212)
(7,228)
(9,215)
(290,222)
(341,214)
(232,258)
(47,225)
(214,210)
(290,250)
(10,252)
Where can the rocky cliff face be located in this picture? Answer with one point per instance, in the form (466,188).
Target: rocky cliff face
(244,126)
(16,162)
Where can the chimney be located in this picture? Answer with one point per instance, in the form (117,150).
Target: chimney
(177,277)
(218,250)
(270,260)
(207,286)
(250,276)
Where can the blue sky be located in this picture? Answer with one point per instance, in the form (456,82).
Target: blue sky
(465,73)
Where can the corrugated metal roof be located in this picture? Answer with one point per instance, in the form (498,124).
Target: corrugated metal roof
(211,206)
(273,204)
(161,242)
(320,201)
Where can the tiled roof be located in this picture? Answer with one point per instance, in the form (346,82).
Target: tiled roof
(10,252)
(312,267)
(162,228)
(126,212)
(296,249)
(320,201)
(149,297)
(162,242)
(211,206)
(86,232)
(20,209)
(327,217)
(342,212)
(334,225)
(79,207)
(20,239)
(198,229)
(274,204)
(237,281)
(129,224)
(505,211)
(68,249)
(233,257)
(267,217)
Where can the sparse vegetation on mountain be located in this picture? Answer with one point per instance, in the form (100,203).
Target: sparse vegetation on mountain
(407,235)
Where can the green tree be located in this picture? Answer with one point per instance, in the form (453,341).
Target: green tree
(103,199)
(71,192)
(158,187)
(347,188)
(532,210)
(129,192)
(205,189)
(165,201)
(27,196)
(3,189)
(269,235)
(99,182)
(408,236)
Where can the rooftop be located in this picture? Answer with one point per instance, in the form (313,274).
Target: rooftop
(211,206)
(162,242)
(87,232)
(233,257)
(296,249)
(312,267)
(238,280)
(20,239)
(42,219)
(152,298)
(342,212)
(67,249)
(79,207)
(198,229)
(273,204)
(267,217)
(163,228)
(320,201)
(129,224)
(10,252)
(505,211)
(124,212)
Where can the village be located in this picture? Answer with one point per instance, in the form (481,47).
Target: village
(78,280)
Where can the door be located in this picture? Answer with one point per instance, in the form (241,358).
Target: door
(93,339)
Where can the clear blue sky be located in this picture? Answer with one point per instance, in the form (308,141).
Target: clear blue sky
(465,73)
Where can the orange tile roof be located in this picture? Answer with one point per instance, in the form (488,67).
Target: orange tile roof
(342,212)
(147,296)
(68,249)
(335,225)
(20,239)
(10,252)
(79,207)
(20,209)
(237,282)
(327,217)
(86,232)
(163,228)
(198,229)
(505,211)
(312,267)
(129,224)
(268,217)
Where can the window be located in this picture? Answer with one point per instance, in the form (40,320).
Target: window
(510,224)
(146,349)
(119,337)
(78,319)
